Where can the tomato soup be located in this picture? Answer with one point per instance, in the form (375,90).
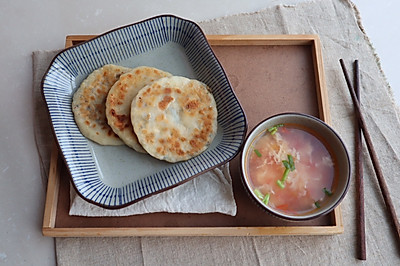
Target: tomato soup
(290,169)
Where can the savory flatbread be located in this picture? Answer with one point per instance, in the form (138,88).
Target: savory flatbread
(174,118)
(88,104)
(119,100)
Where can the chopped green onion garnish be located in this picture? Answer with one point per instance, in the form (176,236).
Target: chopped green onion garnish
(285,175)
(286,164)
(257,153)
(258,194)
(274,129)
(327,192)
(317,204)
(289,166)
(266,199)
(291,162)
(280,183)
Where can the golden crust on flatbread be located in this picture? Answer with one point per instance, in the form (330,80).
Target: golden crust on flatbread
(174,118)
(119,99)
(88,104)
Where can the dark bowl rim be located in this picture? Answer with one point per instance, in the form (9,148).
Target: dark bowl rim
(296,218)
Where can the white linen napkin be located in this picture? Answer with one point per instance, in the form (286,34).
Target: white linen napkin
(209,192)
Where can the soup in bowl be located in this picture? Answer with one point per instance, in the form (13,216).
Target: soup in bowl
(295,166)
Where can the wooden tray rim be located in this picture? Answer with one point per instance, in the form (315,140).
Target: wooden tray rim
(50,211)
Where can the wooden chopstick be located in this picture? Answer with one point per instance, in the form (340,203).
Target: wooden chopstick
(378,171)
(361,247)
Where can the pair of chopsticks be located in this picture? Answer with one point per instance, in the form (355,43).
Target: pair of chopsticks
(378,171)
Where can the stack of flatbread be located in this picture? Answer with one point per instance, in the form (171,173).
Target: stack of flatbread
(172,118)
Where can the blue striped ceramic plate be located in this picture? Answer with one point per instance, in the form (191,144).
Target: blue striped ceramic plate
(114,177)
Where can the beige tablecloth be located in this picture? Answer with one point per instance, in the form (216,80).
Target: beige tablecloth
(338,25)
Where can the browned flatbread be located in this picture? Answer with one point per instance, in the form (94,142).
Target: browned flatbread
(88,104)
(119,99)
(174,118)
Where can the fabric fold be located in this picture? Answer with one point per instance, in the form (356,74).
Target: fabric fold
(207,193)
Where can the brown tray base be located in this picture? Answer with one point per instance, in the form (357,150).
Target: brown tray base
(270,74)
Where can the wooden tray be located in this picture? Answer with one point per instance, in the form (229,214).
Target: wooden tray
(270,74)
